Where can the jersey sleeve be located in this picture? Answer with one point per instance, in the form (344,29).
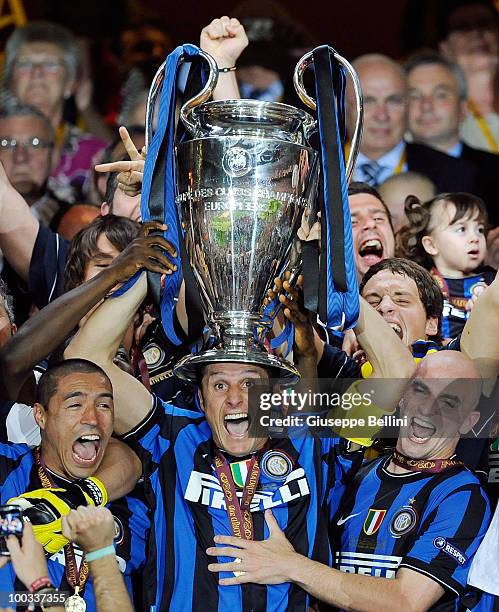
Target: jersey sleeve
(341,465)
(151,438)
(46,269)
(15,463)
(335,363)
(449,536)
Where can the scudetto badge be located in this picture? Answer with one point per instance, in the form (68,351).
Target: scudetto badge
(276,465)
(403,521)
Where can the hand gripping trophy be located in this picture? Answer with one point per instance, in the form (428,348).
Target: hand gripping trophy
(238,189)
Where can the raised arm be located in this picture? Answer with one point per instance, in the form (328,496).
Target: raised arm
(99,339)
(93,530)
(44,332)
(388,355)
(480,337)
(119,470)
(224,39)
(18,227)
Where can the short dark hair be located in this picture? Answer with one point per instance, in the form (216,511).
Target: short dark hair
(12,108)
(120,232)
(357,187)
(428,289)
(409,239)
(49,380)
(449,18)
(111,186)
(8,301)
(432,58)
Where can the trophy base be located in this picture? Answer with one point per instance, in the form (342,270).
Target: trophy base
(187,368)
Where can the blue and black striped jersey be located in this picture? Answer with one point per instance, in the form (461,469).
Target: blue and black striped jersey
(18,473)
(429,523)
(182,486)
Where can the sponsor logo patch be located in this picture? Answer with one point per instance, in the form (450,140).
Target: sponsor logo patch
(205,489)
(446,547)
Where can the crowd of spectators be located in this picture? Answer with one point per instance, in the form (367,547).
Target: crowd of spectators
(404,521)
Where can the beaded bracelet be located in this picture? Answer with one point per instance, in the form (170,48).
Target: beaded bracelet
(232,69)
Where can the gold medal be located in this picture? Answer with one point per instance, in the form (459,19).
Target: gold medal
(75,603)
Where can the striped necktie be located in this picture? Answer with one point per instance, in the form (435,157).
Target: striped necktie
(371,171)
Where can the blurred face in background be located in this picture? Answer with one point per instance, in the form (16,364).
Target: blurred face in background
(26,147)
(39,77)
(385,109)
(473,38)
(435,108)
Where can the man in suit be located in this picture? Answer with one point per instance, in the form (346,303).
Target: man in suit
(436,106)
(383,150)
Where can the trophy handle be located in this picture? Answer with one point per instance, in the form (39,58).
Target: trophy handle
(301,66)
(188,107)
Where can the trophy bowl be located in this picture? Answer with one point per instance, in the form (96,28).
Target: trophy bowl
(245,183)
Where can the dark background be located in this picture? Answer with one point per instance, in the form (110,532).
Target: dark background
(394,27)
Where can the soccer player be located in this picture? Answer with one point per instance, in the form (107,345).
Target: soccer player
(408,525)
(187,455)
(77,464)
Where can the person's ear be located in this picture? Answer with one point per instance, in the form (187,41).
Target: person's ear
(13,329)
(469,422)
(463,110)
(444,49)
(431,327)
(104,209)
(201,400)
(429,245)
(40,415)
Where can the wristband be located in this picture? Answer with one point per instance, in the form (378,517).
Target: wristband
(40,583)
(231,69)
(102,552)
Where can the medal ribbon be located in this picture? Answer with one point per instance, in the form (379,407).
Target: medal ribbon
(428,466)
(442,283)
(240,519)
(401,162)
(75,579)
(484,126)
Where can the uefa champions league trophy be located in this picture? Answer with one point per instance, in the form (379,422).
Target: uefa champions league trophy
(246,182)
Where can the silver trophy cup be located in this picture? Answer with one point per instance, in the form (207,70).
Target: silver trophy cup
(246,182)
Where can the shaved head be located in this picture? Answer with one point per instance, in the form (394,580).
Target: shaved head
(384,90)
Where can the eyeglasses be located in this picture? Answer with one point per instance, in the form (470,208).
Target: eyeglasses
(50,66)
(33,144)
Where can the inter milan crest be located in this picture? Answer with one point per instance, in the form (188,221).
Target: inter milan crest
(276,465)
(373,521)
(239,471)
(403,521)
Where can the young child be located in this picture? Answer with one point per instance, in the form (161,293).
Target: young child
(447,235)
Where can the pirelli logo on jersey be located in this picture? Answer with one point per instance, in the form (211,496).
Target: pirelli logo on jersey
(206,490)
(367,564)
